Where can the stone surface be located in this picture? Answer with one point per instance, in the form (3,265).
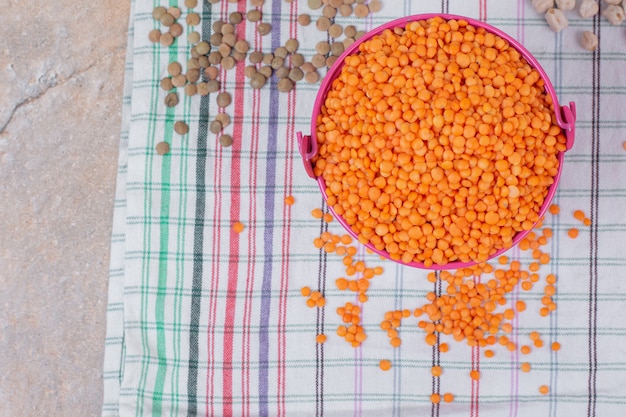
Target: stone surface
(61,67)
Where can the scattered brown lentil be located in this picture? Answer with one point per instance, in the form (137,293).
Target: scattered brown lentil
(242,46)
(166,39)
(345,10)
(304,19)
(228,63)
(296,74)
(167,19)
(249,71)
(193,37)
(314,4)
(154,35)
(190,4)
(285,85)
(253,15)
(203,89)
(329,12)
(227,28)
(318,60)
(336,48)
(322,47)
(193,19)
(223,99)
(226,140)
(257,81)
(292,45)
(215,126)
(266,70)
(213,86)
(181,127)
(264,28)
(203,48)
(179,80)
(282,72)
(215,58)
(162,148)
(158,12)
(174,11)
(256,57)
(350,31)
(323,23)
(312,77)
(193,75)
(375,6)
(297,60)
(235,18)
(166,83)
(191,90)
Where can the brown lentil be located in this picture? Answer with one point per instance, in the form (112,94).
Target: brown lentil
(256,57)
(174,11)
(296,74)
(215,58)
(194,63)
(213,86)
(335,30)
(264,28)
(224,50)
(292,45)
(227,28)
(345,10)
(193,37)
(266,71)
(226,140)
(361,10)
(281,52)
(314,4)
(257,3)
(203,61)
(158,12)
(193,75)
(215,126)
(154,35)
(297,60)
(323,23)
(277,62)
(253,15)
(162,148)
(375,6)
(166,39)
(203,48)
(223,118)
(242,46)
(249,71)
(285,85)
(308,67)
(228,63)
(318,61)
(336,48)
(191,90)
(281,72)
(330,61)
(322,47)
(350,31)
(217,26)
(257,81)
(304,19)
(223,99)
(211,72)
(181,127)
(359,34)
(190,4)
(229,39)
(235,18)
(167,19)
(179,80)
(329,12)
(166,83)
(193,19)
(216,39)
(267,58)
(203,88)
(174,68)
(239,56)
(335,3)
(312,77)
(347,42)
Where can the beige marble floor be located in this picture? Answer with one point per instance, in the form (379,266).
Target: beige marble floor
(61,77)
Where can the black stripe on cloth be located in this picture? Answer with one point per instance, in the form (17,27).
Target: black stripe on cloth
(434,409)
(445,6)
(319,347)
(593,215)
(198,236)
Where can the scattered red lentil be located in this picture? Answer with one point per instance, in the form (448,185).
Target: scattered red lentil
(289,200)
(544,389)
(385,364)
(448,397)
(320,338)
(238,227)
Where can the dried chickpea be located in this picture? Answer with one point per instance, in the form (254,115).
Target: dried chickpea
(589,40)
(542,6)
(614,14)
(588,8)
(556,19)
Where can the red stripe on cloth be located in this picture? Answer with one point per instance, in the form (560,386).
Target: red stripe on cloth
(474,400)
(286,234)
(233,253)
(250,272)
(482,10)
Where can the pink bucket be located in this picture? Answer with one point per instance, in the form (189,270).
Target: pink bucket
(565,118)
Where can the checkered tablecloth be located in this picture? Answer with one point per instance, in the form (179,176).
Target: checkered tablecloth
(205,321)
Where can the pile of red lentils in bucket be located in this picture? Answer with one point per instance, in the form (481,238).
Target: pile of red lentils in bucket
(438,143)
